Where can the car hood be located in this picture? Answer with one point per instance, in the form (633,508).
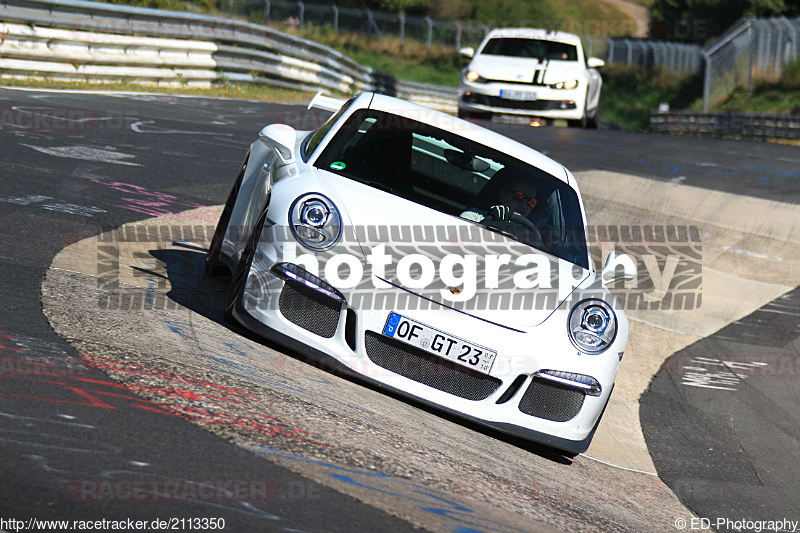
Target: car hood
(386,225)
(523,69)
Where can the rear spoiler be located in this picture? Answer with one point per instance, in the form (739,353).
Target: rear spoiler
(326,103)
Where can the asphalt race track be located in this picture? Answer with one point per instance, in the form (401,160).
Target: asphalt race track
(169,413)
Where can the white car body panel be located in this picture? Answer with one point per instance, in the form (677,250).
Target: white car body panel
(530,81)
(526,343)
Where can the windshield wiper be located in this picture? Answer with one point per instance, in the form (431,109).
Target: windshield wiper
(500,231)
(378,185)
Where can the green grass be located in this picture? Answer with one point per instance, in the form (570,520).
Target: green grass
(262,93)
(631,93)
(782,96)
(409,60)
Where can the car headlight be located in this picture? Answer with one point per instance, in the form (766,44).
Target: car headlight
(592,326)
(569,84)
(315,222)
(474,77)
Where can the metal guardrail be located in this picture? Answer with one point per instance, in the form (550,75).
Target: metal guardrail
(751,48)
(676,57)
(245,52)
(727,123)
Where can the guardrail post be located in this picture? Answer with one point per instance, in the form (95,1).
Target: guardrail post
(230,8)
(672,57)
(629,46)
(335,17)
(793,31)
(266,11)
(402,17)
(751,59)
(706,81)
(429,39)
(658,53)
(301,8)
(458,35)
(683,57)
(778,39)
(373,24)
(610,52)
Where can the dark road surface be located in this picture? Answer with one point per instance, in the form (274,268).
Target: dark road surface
(76,163)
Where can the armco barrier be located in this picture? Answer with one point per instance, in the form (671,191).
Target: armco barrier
(77,39)
(67,54)
(727,123)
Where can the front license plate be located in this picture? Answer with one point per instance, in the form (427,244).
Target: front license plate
(518,95)
(439,343)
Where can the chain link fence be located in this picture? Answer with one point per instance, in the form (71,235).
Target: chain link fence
(679,58)
(676,57)
(751,49)
(365,21)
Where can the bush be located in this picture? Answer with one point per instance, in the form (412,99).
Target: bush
(630,93)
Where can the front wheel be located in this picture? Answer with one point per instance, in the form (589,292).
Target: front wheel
(214,264)
(239,277)
(582,122)
(594,121)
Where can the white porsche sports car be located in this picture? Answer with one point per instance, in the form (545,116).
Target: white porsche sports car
(531,72)
(431,257)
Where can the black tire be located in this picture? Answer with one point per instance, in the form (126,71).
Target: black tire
(239,277)
(594,120)
(582,122)
(474,115)
(214,265)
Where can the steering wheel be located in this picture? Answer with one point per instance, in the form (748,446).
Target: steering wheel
(534,237)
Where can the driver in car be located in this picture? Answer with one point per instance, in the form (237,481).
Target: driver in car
(509,210)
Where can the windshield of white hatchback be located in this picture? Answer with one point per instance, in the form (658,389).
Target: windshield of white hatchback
(533,48)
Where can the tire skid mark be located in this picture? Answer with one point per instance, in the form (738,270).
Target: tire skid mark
(46,443)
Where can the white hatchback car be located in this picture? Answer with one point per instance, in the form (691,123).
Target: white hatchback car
(531,72)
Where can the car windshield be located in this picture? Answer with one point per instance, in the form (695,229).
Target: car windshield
(538,48)
(457,176)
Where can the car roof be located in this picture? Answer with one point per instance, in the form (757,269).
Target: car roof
(534,33)
(465,129)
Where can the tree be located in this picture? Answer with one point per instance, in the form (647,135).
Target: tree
(698,21)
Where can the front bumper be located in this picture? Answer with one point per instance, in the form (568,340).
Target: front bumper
(548,103)
(346,332)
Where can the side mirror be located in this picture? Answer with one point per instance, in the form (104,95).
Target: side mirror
(610,274)
(595,62)
(280,138)
(467,52)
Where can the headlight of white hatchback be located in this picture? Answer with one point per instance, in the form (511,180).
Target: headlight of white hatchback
(474,77)
(569,84)
(315,222)
(592,326)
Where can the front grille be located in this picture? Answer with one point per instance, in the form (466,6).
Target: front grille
(428,369)
(309,309)
(527,105)
(551,401)
(529,83)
